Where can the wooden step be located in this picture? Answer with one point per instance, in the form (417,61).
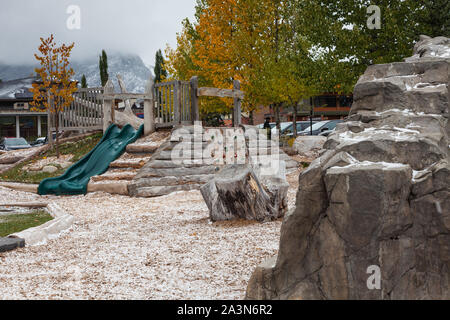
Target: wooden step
(180,154)
(188,163)
(164,190)
(114,176)
(172,180)
(148,172)
(185,138)
(187,145)
(117,187)
(129,163)
(142,148)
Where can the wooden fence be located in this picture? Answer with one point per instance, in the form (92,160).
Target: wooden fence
(173,103)
(166,104)
(84,113)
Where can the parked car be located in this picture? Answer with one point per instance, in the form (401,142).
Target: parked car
(261,125)
(283,127)
(326,133)
(320,127)
(38,142)
(9,144)
(288,132)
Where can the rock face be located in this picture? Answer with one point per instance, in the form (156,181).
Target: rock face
(378,196)
(237,192)
(309,146)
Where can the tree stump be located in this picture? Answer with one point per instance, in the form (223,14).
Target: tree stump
(236,193)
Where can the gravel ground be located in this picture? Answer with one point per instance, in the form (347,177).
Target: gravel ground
(137,248)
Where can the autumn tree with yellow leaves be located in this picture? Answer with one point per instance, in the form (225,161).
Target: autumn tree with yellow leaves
(53,92)
(239,40)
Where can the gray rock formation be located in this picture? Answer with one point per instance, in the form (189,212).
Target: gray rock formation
(378,196)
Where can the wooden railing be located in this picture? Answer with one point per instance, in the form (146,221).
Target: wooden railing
(84,113)
(234,93)
(166,104)
(172,103)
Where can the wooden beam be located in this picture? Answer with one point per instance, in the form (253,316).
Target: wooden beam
(124,96)
(237,105)
(108,105)
(195,113)
(222,93)
(149,105)
(123,89)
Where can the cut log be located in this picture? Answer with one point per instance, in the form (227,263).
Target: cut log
(141,148)
(157,191)
(11,159)
(236,193)
(123,118)
(128,163)
(119,187)
(148,172)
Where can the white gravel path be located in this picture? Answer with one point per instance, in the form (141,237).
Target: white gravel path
(138,248)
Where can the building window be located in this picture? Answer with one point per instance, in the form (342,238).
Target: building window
(345,101)
(7,127)
(28,127)
(325,101)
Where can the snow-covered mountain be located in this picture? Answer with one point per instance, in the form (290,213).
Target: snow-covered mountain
(16,88)
(131,67)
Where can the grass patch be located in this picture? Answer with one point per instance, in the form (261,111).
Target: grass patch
(76,148)
(18,222)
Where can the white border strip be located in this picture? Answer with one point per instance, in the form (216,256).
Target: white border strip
(50,230)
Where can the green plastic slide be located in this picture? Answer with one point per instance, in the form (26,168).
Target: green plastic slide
(76,178)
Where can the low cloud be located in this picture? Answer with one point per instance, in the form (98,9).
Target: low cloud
(132,26)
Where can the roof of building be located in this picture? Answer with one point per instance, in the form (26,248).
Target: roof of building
(16,89)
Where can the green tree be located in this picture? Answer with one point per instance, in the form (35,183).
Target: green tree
(342,45)
(103,67)
(435,18)
(160,71)
(83,81)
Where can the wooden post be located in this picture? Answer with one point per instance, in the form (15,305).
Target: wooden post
(177,103)
(123,89)
(195,114)
(149,117)
(108,106)
(39,126)
(49,121)
(237,105)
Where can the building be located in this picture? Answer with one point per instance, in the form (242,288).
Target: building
(16,117)
(325,107)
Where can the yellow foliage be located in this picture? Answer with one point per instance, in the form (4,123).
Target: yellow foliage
(53,91)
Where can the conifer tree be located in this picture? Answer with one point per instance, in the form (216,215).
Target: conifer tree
(83,81)
(160,71)
(103,66)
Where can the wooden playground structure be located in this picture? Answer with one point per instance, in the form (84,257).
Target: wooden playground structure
(166,104)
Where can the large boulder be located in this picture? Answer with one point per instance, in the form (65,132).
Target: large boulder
(377,200)
(309,146)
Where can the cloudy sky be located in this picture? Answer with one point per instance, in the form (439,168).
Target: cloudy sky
(134,26)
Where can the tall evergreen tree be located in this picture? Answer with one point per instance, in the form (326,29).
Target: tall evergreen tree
(103,66)
(83,81)
(160,71)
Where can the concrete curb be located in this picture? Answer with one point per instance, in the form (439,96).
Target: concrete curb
(50,230)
